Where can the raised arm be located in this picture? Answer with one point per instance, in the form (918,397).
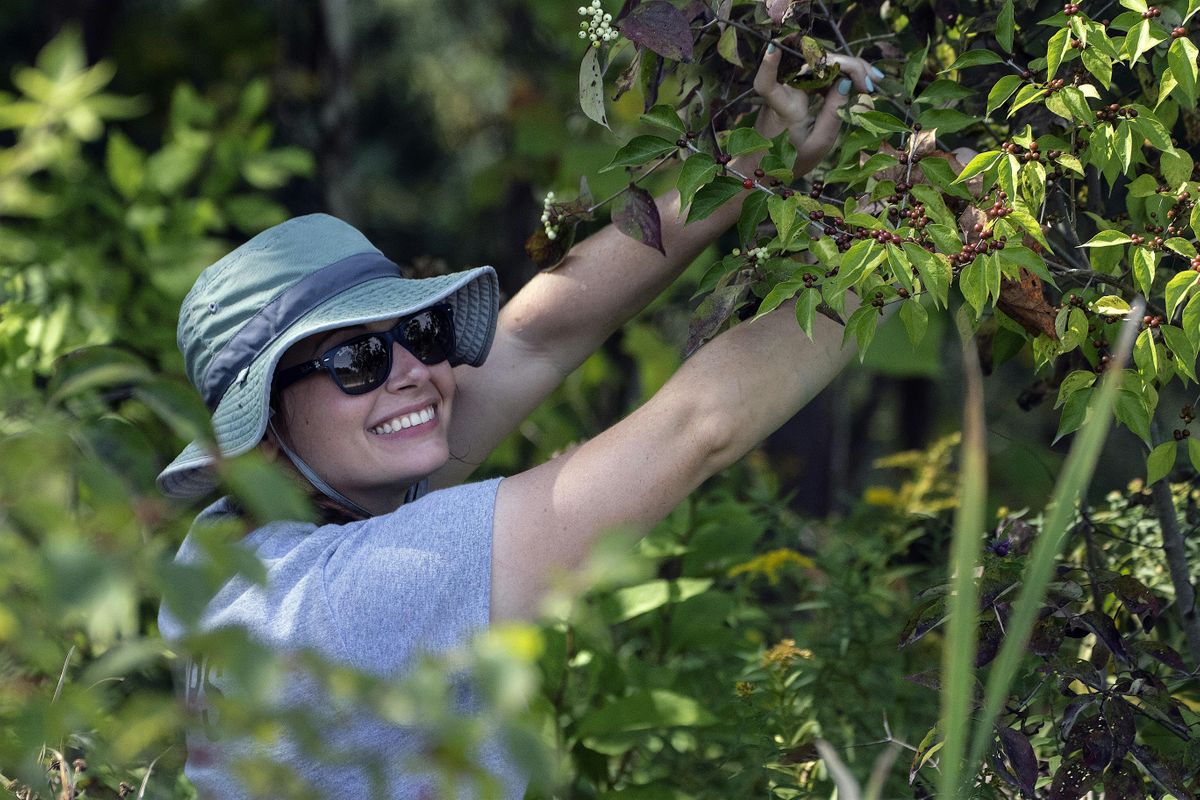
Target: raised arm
(560,318)
(725,399)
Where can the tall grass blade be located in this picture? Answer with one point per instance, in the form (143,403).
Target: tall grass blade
(958,652)
(1076,473)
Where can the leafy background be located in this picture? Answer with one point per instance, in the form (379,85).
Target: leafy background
(143,139)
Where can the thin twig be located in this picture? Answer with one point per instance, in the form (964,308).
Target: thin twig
(836,30)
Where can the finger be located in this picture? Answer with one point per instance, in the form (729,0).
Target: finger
(860,72)
(766,80)
(825,128)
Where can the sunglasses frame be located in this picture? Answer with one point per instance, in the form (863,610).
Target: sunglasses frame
(393,335)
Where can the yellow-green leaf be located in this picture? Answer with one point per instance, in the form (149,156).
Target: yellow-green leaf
(1160,462)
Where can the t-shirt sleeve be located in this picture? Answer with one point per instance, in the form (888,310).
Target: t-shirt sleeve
(415,580)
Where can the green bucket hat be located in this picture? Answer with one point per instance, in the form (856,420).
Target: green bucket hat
(304,276)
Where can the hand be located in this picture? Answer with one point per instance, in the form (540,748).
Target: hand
(786,107)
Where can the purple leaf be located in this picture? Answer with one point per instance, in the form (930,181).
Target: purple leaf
(1071,713)
(1164,772)
(661,27)
(1071,781)
(1106,631)
(1047,636)
(1161,652)
(1118,714)
(1021,757)
(925,618)
(990,636)
(712,313)
(1123,782)
(636,216)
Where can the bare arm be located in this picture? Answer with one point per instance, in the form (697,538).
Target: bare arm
(729,396)
(559,318)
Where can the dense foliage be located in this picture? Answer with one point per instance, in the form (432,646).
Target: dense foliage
(741,649)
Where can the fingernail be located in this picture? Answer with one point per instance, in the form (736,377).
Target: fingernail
(844,87)
(770,48)
(870,85)
(878,73)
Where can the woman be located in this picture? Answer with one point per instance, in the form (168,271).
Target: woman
(306,341)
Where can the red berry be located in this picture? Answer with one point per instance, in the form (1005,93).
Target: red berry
(748,183)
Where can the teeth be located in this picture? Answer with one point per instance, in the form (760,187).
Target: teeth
(405,421)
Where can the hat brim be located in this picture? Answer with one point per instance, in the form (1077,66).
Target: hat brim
(240,418)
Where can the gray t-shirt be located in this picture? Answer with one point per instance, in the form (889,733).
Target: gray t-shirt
(372,595)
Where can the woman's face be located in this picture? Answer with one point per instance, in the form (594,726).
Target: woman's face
(357,443)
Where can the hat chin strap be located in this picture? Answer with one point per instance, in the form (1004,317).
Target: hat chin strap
(312,477)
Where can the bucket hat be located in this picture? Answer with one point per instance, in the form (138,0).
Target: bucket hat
(304,276)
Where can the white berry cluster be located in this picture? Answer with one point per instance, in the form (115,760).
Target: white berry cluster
(599,28)
(754,253)
(549,218)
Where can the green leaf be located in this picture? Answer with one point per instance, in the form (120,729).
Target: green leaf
(1178,288)
(1191,320)
(664,116)
(1028,94)
(125,165)
(698,170)
(1181,246)
(1098,64)
(1079,379)
(640,150)
(632,601)
(1124,144)
(1056,48)
(784,215)
(1160,462)
(1185,352)
(1144,185)
(1192,7)
(1145,261)
(1073,413)
(1142,37)
(901,269)
(1151,129)
(1001,91)
(934,271)
(1145,355)
(806,310)
(746,140)
(915,319)
(1194,453)
(974,58)
(754,210)
(880,122)
(712,196)
(644,710)
(861,326)
(977,165)
(1176,164)
(946,120)
(861,258)
(1110,306)
(1135,5)
(1131,410)
(913,67)
(1076,102)
(591,87)
(972,282)
(1195,219)
(1029,225)
(942,91)
(727,46)
(1107,239)
(1004,26)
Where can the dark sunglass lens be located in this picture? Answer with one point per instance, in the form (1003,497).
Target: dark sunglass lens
(425,336)
(362,365)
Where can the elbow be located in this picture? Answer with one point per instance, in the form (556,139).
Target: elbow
(716,437)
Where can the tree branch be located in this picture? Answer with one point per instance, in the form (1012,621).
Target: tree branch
(1177,563)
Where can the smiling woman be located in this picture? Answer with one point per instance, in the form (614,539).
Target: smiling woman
(386,392)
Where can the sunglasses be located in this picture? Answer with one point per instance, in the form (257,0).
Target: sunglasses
(362,364)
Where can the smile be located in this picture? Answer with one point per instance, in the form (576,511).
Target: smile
(405,421)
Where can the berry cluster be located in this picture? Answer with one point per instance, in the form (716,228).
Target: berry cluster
(1071,9)
(1113,111)
(1178,33)
(599,28)
(1181,434)
(1149,321)
(1187,414)
(879,302)
(999,209)
(985,245)
(1151,13)
(550,217)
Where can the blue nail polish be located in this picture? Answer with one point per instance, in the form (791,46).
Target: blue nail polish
(770,48)
(878,73)
(844,87)
(870,85)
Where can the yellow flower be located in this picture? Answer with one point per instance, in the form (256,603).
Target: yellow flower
(784,653)
(771,564)
(744,689)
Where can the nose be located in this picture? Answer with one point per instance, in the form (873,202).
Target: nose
(407,370)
